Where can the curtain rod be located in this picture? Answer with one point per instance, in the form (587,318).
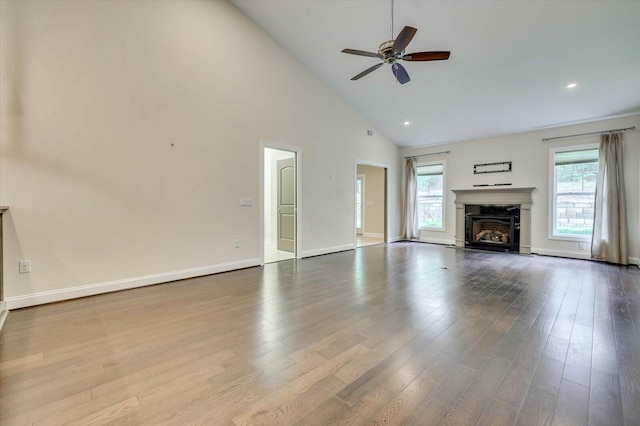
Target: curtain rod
(424,155)
(590,133)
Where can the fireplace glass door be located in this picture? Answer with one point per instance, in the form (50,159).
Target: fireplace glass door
(491,232)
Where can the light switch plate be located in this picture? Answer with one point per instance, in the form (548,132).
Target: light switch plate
(24,266)
(246,202)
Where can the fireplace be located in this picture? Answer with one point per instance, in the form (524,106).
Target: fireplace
(492,227)
(503,212)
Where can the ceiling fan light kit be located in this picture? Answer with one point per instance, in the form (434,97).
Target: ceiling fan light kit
(391,51)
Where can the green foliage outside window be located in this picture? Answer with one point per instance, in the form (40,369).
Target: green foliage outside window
(575,186)
(576,177)
(430,191)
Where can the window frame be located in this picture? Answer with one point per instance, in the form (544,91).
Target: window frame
(552,235)
(444,193)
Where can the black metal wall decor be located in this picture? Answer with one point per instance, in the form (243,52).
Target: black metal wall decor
(502,167)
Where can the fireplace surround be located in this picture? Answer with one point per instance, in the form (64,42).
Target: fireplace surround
(491,203)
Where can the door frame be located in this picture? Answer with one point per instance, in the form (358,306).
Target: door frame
(298,207)
(387,225)
(362,203)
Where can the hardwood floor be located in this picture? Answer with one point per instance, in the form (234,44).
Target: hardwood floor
(404,333)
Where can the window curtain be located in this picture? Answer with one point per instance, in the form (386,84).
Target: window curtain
(411,200)
(610,234)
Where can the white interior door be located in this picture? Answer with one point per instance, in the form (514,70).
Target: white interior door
(286,176)
(359,204)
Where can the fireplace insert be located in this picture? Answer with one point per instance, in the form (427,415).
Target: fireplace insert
(492,227)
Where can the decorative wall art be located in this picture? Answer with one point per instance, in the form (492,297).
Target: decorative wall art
(502,167)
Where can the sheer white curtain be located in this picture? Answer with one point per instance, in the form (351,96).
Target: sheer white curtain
(411,200)
(610,217)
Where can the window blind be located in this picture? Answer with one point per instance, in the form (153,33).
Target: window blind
(432,170)
(576,157)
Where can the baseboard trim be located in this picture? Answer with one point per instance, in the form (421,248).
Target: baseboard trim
(562,253)
(328,250)
(438,241)
(396,239)
(577,255)
(124,284)
(3,313)
(372,235)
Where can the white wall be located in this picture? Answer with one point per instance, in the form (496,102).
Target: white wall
(130,130)
(530,159)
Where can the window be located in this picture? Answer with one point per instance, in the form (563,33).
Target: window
(431,196)
(574,189)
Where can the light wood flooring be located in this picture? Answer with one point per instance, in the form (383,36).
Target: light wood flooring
(362,241)
(403,333)
(272,254)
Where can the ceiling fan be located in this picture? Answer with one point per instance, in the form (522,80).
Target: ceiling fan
(393,50)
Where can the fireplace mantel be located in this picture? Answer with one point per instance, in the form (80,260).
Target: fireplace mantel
(496,196)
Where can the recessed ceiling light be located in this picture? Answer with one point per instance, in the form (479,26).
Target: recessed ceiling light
(406,123)
(572,85)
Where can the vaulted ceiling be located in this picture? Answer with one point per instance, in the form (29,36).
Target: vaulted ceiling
(510,61)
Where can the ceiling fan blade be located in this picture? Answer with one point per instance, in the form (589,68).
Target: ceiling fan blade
(426,56)
(403,39)
(400,73)
(367,71)
(361,53)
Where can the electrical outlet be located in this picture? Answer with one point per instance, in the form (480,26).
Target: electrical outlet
(582,246)
(24,266)
(237,244)
(246,202)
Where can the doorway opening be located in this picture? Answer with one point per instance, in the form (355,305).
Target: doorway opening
(371,205)
(279,205)
(359,204)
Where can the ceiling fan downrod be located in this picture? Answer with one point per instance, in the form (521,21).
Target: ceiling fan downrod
(391,38)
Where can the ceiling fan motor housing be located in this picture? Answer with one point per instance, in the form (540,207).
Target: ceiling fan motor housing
(386,51)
